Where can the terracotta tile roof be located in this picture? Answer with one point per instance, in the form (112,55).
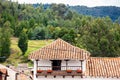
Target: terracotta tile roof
(103,67)
(22,77)
(3,71)
(60,50)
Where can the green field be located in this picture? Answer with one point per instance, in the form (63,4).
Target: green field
(16,56)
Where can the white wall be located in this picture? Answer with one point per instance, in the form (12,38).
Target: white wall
(44,63)
(70,63)
(75,78)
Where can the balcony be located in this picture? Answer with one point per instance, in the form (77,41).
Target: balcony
(59,71)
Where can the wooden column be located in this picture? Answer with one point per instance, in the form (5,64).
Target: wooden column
(16,76)
(35,70)
(37,64)
(81,65)
(66,64)
(81,68)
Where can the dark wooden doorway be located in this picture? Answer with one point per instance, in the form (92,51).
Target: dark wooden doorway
(56,65)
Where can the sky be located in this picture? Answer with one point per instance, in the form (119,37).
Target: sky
(89,3)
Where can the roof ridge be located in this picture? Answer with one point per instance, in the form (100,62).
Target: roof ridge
(52,43)
(63,48)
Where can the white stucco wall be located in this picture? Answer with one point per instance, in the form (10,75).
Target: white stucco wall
(63,63)
(75,78)
(44,63)
(73,63)
(70,63)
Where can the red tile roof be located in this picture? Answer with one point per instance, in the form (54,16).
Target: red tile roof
(3,71)
(60,50)
(22,77)
(103,67)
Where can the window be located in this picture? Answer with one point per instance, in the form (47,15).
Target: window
(56,64)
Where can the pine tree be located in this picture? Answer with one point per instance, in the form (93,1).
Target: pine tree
(5,34)
(5,39)
(23,42)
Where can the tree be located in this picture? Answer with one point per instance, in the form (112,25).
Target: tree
(31,22)
(70,37)
(23,41)
(5,34)
(100,38)
(59,9)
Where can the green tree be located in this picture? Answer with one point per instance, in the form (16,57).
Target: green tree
(23,42)
(59,9)
(5,39)
(31,22)
(100,38)
(70,37)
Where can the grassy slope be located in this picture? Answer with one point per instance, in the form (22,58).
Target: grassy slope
(16,56)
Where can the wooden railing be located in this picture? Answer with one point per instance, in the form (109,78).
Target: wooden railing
(59,71)
(59,67)
(62,73)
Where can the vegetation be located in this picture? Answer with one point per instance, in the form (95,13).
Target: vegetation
(23,42)
(5,34)
(16,54)
(102,11)
(98,35)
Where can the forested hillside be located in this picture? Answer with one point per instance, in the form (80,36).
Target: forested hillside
(102,11)
(98,35)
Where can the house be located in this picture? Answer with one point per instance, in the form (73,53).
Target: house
(63,61)
(8,73)
(3,74)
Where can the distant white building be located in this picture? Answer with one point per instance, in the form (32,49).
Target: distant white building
(63,61)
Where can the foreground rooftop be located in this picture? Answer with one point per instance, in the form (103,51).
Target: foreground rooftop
(60,50)
(103,67)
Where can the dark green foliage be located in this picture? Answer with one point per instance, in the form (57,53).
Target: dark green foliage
(5,34)
(102,11)
(59,9)
(100,39)
(32,22)
(23,42)
(100,36)
(70,37)
(65,34)
(37,33)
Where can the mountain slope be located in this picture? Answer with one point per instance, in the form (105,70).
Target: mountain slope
(111,11)
(102,11)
